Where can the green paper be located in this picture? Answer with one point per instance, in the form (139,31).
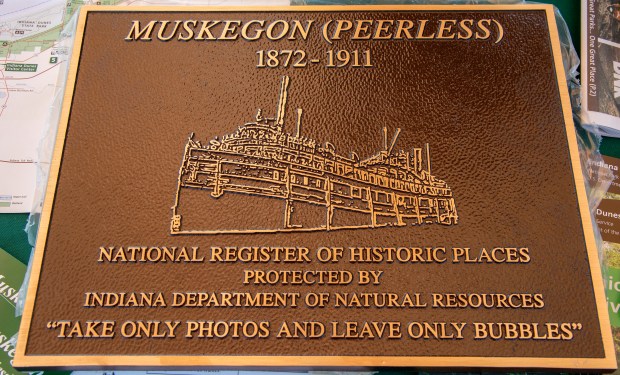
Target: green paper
(11,277)
(12,274)
(612,287)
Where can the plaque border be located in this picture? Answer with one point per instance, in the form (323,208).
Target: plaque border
(98,361)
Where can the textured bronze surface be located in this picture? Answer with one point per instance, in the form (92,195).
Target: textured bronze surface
(490,111)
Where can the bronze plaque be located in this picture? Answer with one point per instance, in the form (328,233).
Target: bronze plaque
(316,187)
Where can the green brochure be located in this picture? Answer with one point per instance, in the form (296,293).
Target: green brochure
(608,220)
(12,274)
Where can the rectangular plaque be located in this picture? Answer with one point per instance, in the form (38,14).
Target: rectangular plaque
(316,187)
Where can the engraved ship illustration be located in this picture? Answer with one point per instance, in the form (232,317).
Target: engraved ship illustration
(318,188)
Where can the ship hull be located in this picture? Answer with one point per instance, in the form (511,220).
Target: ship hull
(289,197)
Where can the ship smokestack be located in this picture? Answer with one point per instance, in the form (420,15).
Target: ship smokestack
(282,101)
(417,159)
(299,113)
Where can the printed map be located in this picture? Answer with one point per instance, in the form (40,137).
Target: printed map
(30,63)
(31,59)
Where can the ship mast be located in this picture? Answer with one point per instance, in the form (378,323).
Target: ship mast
(393,141)
(282,101)
(385,138)
(428,158)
